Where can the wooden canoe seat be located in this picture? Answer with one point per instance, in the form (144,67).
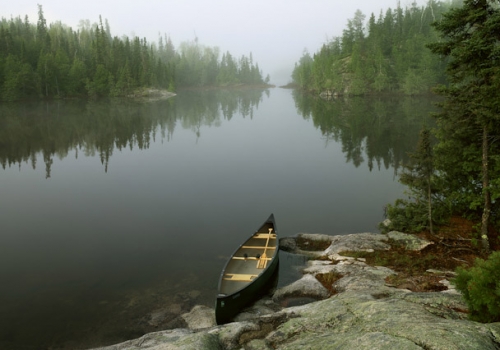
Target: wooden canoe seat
(264,235)
(249,258)
(239,277)
(257,247)
(243,258)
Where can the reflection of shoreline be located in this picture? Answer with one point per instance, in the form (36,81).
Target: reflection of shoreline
(98,127)
(150,94)
(378,130)
(228,87)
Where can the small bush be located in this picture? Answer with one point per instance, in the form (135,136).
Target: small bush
(412,217)
(406,216)
(480,286)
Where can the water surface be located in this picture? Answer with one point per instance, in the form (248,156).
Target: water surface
(113,210)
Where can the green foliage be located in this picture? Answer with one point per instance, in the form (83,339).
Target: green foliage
(480,287)
(99,85)
(466,173)
(405,216)
(303,72)
(56,61)
(425,205)
(19,79)
(387,56)
(469,121)
(419,175)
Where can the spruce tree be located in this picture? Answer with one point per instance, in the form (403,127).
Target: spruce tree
(418,175)
(471,112)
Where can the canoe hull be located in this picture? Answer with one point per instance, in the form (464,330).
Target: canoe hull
(229,306)
(249,273)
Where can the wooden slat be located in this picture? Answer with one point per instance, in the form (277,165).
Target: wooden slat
(248,258)
(239,277)
(257,247)
(264,235)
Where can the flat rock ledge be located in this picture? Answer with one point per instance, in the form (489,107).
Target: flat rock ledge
(357,311)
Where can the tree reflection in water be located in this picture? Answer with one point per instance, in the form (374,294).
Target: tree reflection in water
(380,130)
(57,128)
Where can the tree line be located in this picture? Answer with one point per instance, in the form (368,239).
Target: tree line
(385,55)
(53,61)
(460,173)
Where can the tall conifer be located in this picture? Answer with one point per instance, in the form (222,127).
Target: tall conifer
(471,113)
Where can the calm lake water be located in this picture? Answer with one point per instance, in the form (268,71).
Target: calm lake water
(116,216)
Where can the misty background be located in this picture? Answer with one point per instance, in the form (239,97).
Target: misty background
(276,32)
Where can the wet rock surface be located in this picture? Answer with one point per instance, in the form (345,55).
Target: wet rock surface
(355,309)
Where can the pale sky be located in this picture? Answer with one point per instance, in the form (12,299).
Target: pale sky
(275,31)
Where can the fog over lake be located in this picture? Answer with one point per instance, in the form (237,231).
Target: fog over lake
(276,32)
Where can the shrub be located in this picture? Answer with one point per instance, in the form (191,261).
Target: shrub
(405,216)
(480,286)
(412,217)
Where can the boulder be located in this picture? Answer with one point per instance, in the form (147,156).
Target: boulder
(358,242)
(288,244)
(264,306)
(200,317)
(176,339)
(307,286)
(367,320)
(409,242)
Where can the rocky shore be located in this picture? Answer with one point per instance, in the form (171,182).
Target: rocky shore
(340,303)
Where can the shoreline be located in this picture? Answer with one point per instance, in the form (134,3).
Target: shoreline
(340,302)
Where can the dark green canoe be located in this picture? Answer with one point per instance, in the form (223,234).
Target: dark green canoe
(248,272)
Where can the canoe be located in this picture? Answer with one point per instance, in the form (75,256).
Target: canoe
(248,272)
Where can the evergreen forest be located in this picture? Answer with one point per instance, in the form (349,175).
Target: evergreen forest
(54,61)
(385,54)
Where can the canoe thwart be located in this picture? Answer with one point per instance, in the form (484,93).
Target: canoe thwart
(248,258)
(264,235)
(240,277)
(256,247)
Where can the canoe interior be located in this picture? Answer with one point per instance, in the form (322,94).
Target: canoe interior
(250,260)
